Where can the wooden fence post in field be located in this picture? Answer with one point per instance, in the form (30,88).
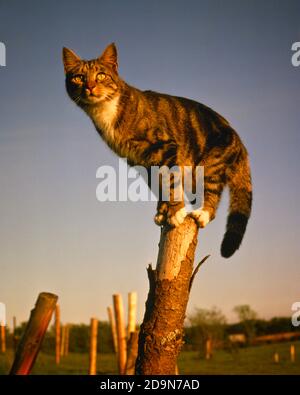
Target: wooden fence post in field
(67,340)
(132,350)
(112,322)
(14,336)
(32,338)
(208,348)
(93,346)
(63,340)
(132,306)
(161,333)
(121,332)
(57,334)
(292,353)
(3,338)
(14,325)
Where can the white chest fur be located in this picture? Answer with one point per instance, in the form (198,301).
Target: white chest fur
(103,115)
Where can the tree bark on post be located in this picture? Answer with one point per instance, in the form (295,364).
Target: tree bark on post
(161,332)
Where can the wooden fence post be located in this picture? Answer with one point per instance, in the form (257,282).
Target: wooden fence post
(93,346)
(14,336)
(63,340)
(3,338)
(57,334)
(132,306)
(32,338)
(161,333)
(208,348)
(121,332)
(112,322)
(132,350)
(292,353)
(67,339)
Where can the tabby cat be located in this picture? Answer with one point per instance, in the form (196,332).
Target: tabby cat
(150,128)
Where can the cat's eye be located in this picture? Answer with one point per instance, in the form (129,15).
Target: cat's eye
(101,77)
(77,79)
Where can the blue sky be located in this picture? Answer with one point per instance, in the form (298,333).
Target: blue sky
(234,56)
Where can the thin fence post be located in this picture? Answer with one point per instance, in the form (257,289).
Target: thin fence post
(112,322)
(14,336)
(121,332)
(208,348)
(93,346)
(57,334)
(276,357)
(33,336)
(132,307)
(67,339)
(132,350)
(63,339)
(292,353)
(3,338)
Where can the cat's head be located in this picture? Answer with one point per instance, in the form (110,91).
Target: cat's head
(89,82)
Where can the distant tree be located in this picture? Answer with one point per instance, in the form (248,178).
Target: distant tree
(247,318)
(206,324)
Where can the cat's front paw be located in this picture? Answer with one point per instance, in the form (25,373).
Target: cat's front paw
(160,219)
(177,218)
(201,216)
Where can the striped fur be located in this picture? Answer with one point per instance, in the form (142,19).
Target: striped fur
(151,128)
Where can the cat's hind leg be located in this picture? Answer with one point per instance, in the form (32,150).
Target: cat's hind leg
(214,182)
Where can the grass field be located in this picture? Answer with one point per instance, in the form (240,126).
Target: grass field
(252,360)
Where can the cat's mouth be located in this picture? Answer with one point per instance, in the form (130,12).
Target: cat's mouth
(91,99)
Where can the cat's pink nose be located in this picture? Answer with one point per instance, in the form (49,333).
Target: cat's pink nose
(89,90)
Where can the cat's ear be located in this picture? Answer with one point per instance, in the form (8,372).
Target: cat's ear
(70,59)
(110,56)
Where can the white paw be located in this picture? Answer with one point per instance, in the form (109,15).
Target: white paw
(178,218)
(201,216)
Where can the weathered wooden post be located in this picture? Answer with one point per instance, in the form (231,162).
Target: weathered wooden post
(57,334)
(292,353)
(32,338)
(132,350)
(63,340)
(14,336)
(67,339)
(112,322)
(93,346)
(121,332)
(161,333)
(132,306)
(208,348)
(3,338)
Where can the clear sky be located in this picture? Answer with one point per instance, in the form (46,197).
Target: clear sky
(234,56)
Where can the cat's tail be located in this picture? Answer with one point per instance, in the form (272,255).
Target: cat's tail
(240,189)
